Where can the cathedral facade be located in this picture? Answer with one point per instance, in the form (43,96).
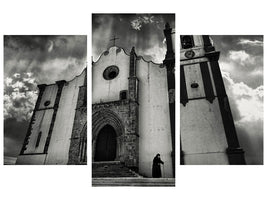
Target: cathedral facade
(57,133)
(131,119)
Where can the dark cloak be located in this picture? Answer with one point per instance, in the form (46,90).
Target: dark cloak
(156,171)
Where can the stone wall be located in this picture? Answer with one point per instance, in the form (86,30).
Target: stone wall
(117,115)
(78,144)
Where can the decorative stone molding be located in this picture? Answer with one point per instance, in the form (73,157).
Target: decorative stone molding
(105,117)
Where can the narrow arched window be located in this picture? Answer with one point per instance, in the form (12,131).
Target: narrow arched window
(38,139)
(123,94)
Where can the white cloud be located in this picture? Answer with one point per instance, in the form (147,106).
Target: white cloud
(247,108)
(250,42)
(20,96)
(156,51)
(29,80)
(50,45)
(138,23)
(18,84)
(249,101)
(243,67)
(16,75)
(257,72)
(60,69)
(226,66)
(250,109)
(24,111)
(240,56)
(8,81)
(29,74)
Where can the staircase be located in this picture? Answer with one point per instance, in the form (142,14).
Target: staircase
(114,173)
(134,181)
(111,169)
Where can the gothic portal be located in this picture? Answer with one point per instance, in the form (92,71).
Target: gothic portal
(106,144)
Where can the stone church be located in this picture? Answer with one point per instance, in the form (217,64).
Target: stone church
(57,133)
(133,111)
(208,134)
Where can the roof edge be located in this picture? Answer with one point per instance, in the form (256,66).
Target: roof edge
(128,54)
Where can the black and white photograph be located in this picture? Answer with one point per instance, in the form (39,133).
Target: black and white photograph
(45,119)
(133,114)
(221,101)
(119,57)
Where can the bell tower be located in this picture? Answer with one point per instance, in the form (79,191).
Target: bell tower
(208,134)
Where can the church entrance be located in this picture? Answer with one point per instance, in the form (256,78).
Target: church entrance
(106,144)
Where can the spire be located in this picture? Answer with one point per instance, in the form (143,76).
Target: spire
(133,50)
(169,57)
(132,63)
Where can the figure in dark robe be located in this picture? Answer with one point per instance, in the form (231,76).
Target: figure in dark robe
(156,171)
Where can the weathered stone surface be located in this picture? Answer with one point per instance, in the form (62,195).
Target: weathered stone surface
(111,169)
(125,128)
(78,145)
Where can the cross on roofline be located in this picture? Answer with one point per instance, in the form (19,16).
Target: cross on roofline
(114,40)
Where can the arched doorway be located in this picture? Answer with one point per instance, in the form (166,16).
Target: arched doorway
(106,144)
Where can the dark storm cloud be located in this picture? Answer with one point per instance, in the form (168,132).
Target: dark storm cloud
(14,134)
(235,42)
(251,139)
(144,31)
(42,55)
(37,47)
(26,42)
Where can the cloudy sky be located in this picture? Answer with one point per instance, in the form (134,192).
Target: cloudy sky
(241,64)
(32,60)
(29,61)
(143,31)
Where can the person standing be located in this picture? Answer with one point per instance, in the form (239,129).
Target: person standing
(156,171)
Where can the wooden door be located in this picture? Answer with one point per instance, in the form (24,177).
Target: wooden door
(106,144)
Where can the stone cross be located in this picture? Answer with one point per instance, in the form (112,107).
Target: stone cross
(114,39)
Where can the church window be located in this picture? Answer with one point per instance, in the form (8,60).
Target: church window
(194,85)
(187,41)
(38,139)
(111,72)
(47,103)
(123,94)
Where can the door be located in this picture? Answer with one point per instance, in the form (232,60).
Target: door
(106,144)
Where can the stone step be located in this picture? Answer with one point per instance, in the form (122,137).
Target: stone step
(101,163)
(111,169)
(112,174)
(134,181)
